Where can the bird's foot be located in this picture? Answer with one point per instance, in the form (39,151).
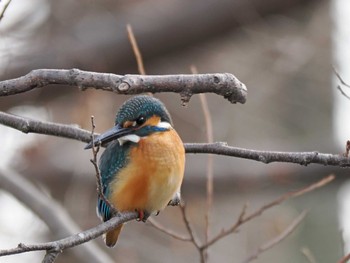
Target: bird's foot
(176,200)
(143,215)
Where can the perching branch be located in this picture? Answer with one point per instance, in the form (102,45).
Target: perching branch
(27,125)
(74,240)
(52,213)
(226,85)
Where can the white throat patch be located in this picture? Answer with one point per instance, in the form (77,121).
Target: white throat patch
(129,138)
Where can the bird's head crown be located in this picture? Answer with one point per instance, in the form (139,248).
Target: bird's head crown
(139,109)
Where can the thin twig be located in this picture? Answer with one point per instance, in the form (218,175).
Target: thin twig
(343,92)
(226,85)
(189,228)
(243,219)
(136,50)
(308,255)
(167,231)
(276,240)
(192,233)
(4,9)
(345,259)
(27,125)
(340,78)
(210,175)
(95,150)
(343,83)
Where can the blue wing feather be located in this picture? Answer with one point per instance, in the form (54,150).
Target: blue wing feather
(112,160)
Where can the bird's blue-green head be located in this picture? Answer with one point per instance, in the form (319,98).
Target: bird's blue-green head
(138,117)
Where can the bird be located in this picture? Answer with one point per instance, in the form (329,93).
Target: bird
(142,166)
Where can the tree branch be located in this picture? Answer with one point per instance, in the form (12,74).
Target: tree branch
(276,240)
(226,85)
(74,240)
(302,158)
(243,218)
(4,9)
(167,231)
(27,125)
(344,259)
(343,83)
(52,213)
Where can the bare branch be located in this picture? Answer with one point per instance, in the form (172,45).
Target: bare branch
(74,240)
(273,242)
(189,228)
(226,85)
(345,259)
(136,50)
(192,233)
(27,125)
(210,175)
(343,92)
(52,213)
(308,255)
(340,78)
(343,83)
(4,9)
(302,158)
(167,231)
(243,219)
(99,186)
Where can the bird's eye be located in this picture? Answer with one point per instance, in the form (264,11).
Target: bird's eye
(139,121)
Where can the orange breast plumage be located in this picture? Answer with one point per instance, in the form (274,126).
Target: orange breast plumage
(153,175)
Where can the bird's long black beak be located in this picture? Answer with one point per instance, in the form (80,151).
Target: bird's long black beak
(110,135)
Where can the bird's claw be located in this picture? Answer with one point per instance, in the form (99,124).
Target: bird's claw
(143,215)
(176,200)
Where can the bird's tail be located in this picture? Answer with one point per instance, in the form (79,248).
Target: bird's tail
(111,237)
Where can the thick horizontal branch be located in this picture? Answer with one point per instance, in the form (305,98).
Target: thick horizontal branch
(302,158)
(74,240)
(226,85)
(27,125)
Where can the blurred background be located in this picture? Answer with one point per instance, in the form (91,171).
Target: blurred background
(283,51)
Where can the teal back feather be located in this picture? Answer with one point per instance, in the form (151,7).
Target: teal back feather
(114,158)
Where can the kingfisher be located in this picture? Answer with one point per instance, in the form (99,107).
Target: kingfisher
(142,167)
